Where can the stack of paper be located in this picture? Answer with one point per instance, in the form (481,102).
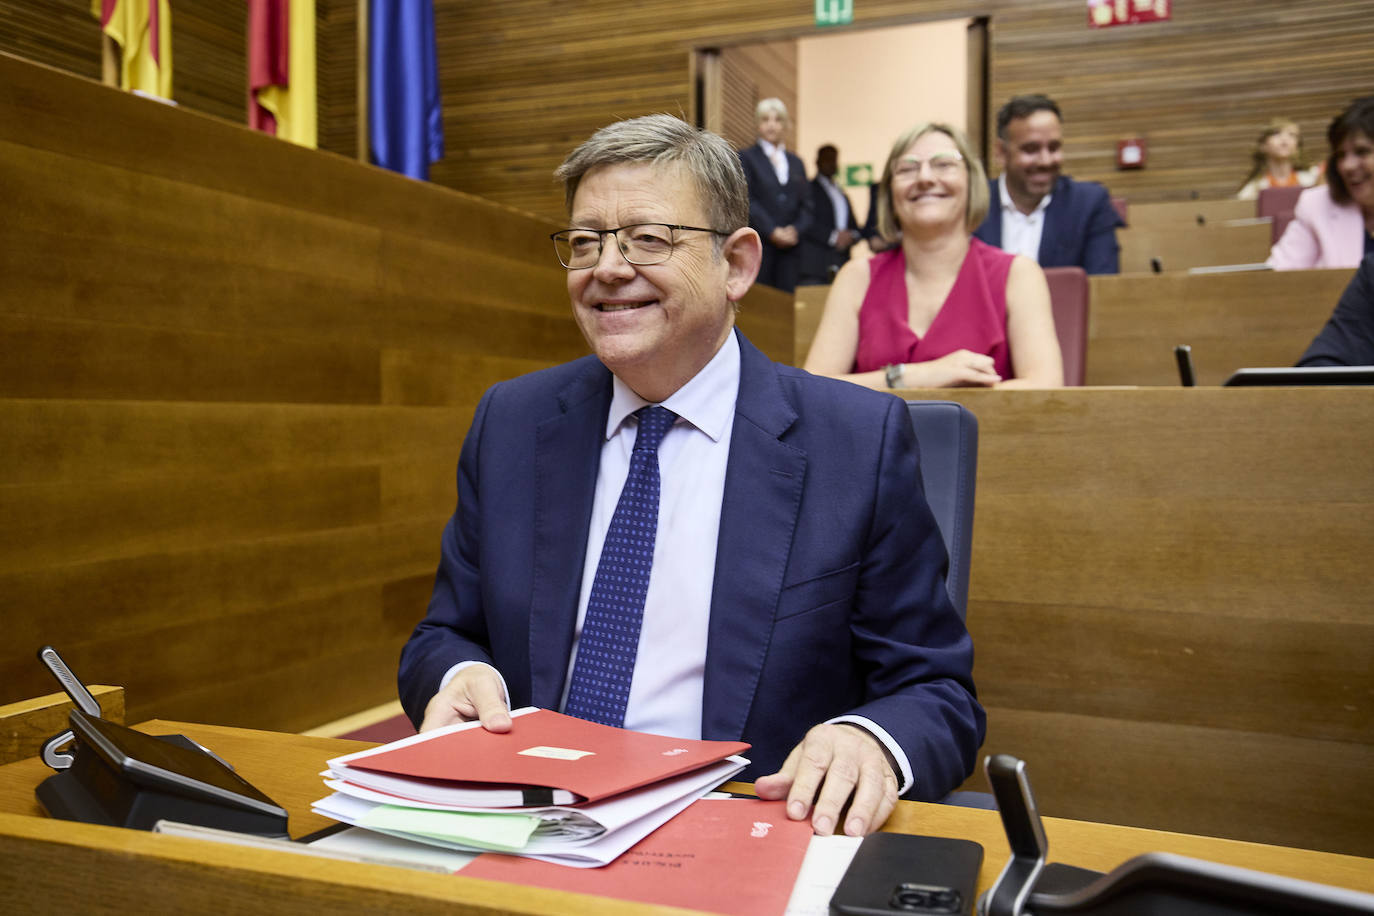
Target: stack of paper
(554,787)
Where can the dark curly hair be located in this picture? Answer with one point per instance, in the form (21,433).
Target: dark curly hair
(1358,118)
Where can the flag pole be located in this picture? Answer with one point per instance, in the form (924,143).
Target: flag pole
(109,60)
(363,141)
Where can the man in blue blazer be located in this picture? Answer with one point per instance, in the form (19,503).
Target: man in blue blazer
(779,197)
(796,596)
(1036,210)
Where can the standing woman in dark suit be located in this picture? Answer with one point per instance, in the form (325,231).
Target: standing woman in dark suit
(779,197)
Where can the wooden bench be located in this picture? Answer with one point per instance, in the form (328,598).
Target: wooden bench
(1170,605)
(1242,241)
(1253,318)
(1179,214)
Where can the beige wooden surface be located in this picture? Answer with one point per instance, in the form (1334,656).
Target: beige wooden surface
(65,866)
(1254,318)
(1170,604)
(26,725)
(1183,247)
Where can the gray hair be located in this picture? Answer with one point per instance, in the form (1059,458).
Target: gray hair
(661,139)
(770,106)
(978,195)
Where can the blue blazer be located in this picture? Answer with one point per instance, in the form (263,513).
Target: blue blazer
(1080,227)
(829,590)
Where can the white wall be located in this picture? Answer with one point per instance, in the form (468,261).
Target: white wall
(860,90)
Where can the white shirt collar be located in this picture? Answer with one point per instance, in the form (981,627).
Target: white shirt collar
(1008,205)
(769,149)
(707,401)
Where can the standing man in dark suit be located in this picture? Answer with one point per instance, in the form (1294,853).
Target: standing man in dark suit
(791,592)
(1037,211)
(779,197)
(834,230)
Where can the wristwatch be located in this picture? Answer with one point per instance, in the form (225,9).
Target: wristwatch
(894,372)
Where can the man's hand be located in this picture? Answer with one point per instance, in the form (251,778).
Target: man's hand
(474,693)
(844,240)
(833,763)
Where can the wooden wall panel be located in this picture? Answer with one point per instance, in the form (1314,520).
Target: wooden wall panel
(217,493)
(523,81)
(1170,604)
(237,378)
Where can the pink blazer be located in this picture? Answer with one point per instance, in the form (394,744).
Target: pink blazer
(1322,234)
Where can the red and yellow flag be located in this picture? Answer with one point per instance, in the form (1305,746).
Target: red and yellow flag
(281,69)
(143,31)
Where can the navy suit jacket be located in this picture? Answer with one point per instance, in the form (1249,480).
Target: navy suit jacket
(1080,227)
(817,254)
(1348,337)
(771,203)
(829,593)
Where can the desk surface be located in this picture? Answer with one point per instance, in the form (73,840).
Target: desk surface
(52,865)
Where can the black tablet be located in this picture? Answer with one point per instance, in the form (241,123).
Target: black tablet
(157,764)
(1302,375)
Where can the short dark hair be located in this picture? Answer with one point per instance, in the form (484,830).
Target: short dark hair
(1023,106)
(1358,118)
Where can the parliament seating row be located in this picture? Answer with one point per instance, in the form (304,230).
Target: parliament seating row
(247,369)
(1231,320)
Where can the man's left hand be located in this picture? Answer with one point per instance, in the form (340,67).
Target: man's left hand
(833,763)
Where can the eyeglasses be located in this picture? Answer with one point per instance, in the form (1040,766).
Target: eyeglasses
(942,165)
(642,244)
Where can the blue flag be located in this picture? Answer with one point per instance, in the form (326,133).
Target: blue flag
(405,121)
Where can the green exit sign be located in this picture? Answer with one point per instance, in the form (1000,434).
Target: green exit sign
(834,12)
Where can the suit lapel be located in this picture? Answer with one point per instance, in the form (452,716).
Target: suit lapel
(763,484)
(567,458)
(1051,237)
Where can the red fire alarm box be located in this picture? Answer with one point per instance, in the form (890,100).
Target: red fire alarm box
(1130,154)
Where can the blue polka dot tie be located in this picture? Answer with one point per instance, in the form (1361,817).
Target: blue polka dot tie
(606,652)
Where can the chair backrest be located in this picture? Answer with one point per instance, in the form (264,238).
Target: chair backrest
(1277,204)
(1069,294)
(948,437)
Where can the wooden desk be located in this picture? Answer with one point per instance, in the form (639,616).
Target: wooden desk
(55,866)
(1179,248)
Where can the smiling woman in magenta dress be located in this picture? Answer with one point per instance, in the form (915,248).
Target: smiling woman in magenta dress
(940,309)
(973,317)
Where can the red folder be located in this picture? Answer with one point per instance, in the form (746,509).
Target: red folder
(547,749)
(730,856)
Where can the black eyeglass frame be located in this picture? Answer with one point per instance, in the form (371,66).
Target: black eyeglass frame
(601,242)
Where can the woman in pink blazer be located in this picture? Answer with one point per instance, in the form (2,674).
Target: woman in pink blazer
(1332,223)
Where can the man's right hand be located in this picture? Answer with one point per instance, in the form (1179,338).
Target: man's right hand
(474,693)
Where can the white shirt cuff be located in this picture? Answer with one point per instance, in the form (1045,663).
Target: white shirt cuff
(893,748)
(451,673)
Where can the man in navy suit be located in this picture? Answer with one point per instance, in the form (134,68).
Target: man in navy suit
(1037,211)
(796,596)
(834,230)
(779,197)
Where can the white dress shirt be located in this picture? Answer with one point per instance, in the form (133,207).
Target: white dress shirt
(1021,232)
(840,202)
(778,156)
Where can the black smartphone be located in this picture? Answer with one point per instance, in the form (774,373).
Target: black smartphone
(902,873)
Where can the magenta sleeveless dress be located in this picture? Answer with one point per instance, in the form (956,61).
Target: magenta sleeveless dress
(973,317)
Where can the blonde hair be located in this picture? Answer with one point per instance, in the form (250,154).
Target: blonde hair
(978,195)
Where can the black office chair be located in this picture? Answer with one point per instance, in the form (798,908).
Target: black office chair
(948,437)
(947,434)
